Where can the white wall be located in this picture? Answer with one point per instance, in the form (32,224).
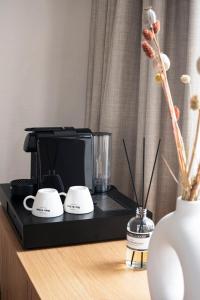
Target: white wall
(43,69)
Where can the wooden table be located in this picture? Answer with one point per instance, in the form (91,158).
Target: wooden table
(91,271)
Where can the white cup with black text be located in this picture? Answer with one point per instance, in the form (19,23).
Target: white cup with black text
(47,203)
(78,200)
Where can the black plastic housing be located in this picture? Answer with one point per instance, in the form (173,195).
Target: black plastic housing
(60,156)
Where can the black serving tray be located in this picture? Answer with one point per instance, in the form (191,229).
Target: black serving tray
(108,221)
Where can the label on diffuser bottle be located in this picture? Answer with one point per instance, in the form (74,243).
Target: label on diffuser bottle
(138,241)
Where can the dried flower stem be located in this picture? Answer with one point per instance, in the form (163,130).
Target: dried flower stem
(195,186)
(170,170)
(177,134)
(187,153)
(194,145)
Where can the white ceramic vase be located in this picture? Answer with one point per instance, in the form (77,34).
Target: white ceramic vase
(174,254)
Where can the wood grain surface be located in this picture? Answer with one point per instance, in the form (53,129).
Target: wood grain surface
(14,282)
(91,271)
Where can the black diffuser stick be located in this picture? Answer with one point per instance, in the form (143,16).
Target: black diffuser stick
(152,173)
(143,170)
(132,257)
(142,259)
(129,166)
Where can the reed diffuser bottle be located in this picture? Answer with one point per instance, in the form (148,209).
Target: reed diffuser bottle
(140,227)
(139,230)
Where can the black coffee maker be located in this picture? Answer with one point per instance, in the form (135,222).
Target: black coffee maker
(60,157)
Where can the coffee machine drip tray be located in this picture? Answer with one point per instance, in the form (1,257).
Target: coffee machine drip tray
(108,221)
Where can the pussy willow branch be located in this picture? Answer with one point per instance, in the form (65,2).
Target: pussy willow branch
(194,145)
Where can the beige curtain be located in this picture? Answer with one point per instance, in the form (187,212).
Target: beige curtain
(123,98)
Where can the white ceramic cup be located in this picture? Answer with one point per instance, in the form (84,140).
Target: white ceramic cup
(78,200)
(47,203)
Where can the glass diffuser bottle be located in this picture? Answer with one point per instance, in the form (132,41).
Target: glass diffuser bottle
(140,227)
(139,230)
